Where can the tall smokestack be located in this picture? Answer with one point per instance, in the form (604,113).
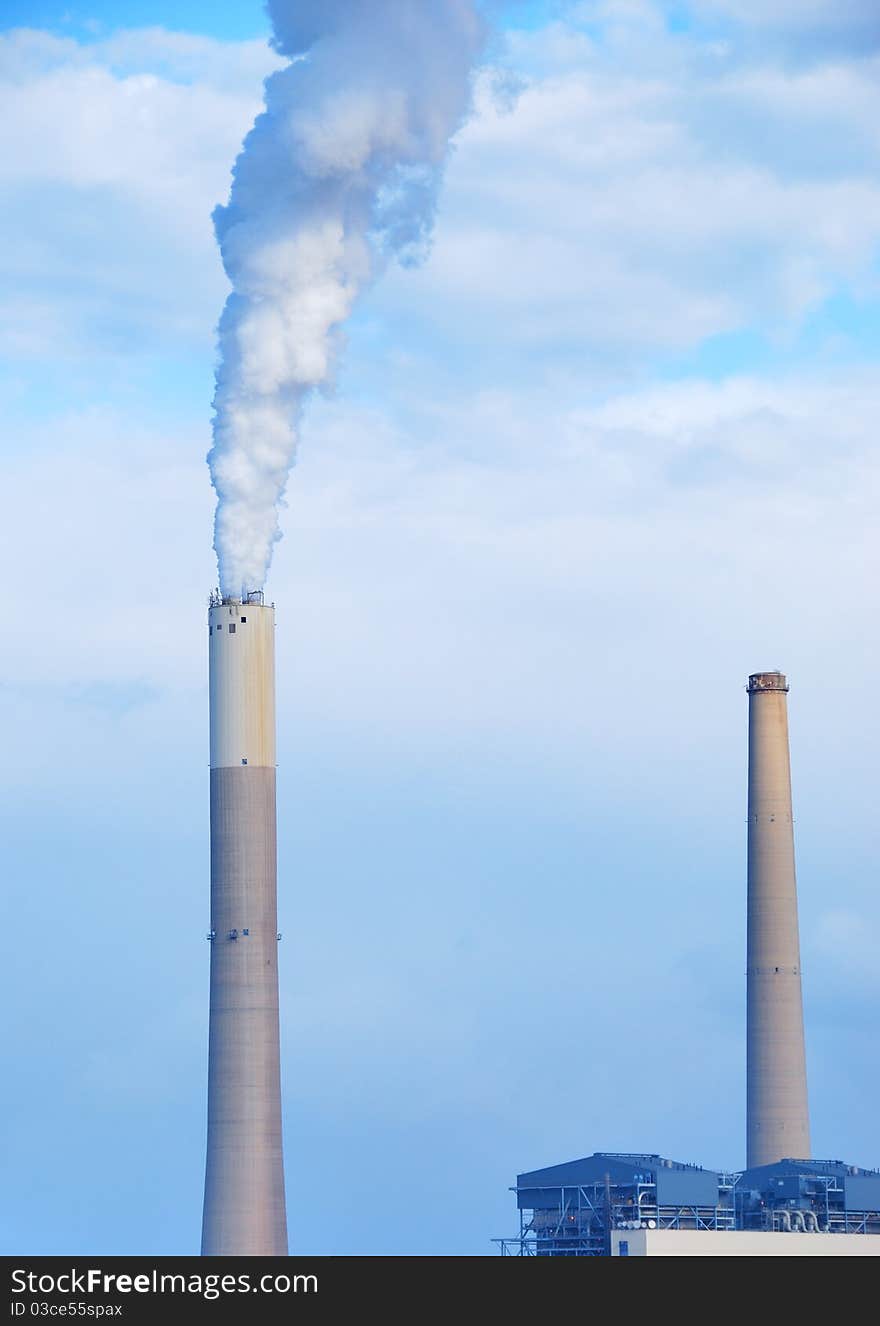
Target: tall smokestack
(244,1213)
(777,1123)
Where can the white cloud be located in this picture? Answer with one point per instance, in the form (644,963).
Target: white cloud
(594,218)
(183,57)
(110,171)
(851,24)
(639,196)
(434,585)
(615,208)
(107,512)
(592,221)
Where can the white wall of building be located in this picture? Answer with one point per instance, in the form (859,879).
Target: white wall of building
(740,1243)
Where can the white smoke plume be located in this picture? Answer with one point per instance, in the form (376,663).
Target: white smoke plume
(339,173)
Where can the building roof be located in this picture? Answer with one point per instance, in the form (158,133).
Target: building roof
(620,1167)
(759,1175)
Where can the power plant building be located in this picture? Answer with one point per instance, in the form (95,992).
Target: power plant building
(612,1204)
(569,1210)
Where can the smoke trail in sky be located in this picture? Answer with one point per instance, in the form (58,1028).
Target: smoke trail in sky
(339,173)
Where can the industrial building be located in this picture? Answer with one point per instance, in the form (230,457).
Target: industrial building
(570,1210)
(612,1204)
(809,1196)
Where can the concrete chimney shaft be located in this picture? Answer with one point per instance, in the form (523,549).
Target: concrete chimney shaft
(777,1123)
(244,1212)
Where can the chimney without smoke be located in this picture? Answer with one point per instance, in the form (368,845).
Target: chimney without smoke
(777,1124)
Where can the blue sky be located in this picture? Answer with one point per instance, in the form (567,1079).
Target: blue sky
(230,22)
(612,448)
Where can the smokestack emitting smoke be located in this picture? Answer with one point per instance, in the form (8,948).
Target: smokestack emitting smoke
(777,1124)
(244,1213)
(339,172)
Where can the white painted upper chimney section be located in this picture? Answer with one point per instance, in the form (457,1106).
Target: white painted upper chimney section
(242,685)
